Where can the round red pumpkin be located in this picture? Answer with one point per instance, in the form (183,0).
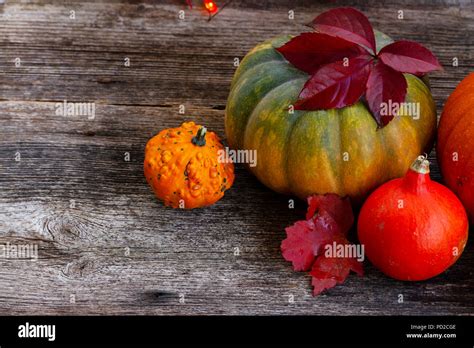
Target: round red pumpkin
(456,143)
(413,228)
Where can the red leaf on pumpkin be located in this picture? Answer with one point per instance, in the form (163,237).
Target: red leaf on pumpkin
(335,85)
(409,57)
(309,51)
(347,23)
(347,33)
(305,238)
(338,208)
(385,88)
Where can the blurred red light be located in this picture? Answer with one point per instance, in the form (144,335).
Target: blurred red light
(210,6)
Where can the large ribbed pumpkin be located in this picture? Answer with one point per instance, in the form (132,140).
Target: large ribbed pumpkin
(316,152)
(456,143)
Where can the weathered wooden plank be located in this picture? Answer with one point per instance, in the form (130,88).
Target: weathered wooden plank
(102,237)
(185,61)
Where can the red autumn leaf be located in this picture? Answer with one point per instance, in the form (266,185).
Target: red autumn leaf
(328,219)
(305,238)
(327,272)
(347,23)
(338,208)
(347,33)
(385,87)
(335,85)
(309,51)
(409,57)
(321,284)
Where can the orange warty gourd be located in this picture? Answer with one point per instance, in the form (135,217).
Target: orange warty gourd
(456,143)
(185,168)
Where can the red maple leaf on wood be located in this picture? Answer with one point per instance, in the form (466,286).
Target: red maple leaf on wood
(328,220)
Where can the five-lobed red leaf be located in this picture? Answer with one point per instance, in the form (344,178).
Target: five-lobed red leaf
(409,57)
(335,85)
(347,23)
(309,51)
(346,33)
(385,87)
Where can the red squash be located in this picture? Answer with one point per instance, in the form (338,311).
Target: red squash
(413,228)
(456,143)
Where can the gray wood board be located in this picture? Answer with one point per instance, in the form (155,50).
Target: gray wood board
(106,245)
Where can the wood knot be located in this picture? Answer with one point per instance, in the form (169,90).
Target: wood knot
(80,268)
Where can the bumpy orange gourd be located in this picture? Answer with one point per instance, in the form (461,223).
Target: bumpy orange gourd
(186,168)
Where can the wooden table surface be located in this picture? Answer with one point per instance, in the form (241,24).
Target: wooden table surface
(106,245)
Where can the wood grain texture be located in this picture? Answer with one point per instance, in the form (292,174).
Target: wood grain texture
(106,245)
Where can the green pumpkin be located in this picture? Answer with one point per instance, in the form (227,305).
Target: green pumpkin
(326,151)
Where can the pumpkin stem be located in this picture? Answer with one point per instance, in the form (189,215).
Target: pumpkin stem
(421,165)
(200,138)
(418,176)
